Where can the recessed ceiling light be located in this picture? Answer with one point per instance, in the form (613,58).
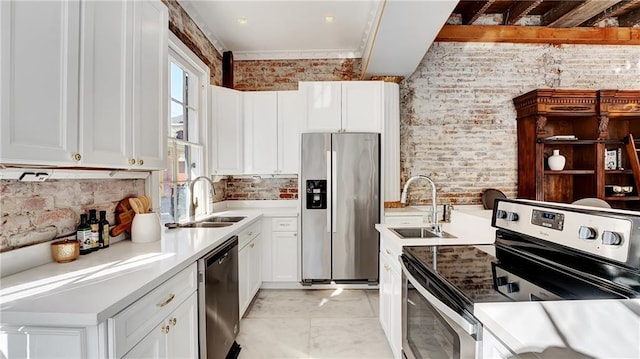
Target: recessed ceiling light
(329,19)
(242,20)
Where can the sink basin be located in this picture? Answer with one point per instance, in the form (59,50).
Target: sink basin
(419,232)
(220,219)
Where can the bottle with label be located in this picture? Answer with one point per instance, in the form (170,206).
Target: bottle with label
(103,238)
(83,235)
(95,229)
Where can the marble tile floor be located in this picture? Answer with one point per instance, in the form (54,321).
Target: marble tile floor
(313,324)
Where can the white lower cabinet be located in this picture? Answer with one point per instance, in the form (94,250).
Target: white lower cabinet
(390,290)
(249,265)
(162,322)
(175,337)
(43,342)
(280,253)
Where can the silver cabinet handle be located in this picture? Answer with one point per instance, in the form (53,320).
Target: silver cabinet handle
(167,301)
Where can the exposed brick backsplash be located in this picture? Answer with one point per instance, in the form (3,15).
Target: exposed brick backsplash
(190,34)
(34,212)
(262,188)
(275,75)
(457,119)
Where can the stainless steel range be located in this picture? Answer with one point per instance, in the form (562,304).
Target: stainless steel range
(543,251)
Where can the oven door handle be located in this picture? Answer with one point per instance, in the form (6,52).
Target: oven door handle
(469,328)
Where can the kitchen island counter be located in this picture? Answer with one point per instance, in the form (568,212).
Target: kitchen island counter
(595,328)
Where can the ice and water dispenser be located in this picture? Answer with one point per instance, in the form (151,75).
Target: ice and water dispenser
(316,194)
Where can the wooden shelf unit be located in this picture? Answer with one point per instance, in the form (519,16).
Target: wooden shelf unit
(600,120)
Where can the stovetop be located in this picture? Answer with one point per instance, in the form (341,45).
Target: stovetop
(526,268)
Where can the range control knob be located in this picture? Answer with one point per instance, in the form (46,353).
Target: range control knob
(585,232)
(611,238)
(500,281)
(501,214)
(512,216)
(512,287)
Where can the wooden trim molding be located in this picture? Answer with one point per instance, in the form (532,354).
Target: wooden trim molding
(540,35)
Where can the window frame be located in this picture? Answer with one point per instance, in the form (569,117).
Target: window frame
(179,53)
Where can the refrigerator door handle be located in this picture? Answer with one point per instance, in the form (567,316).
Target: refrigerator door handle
(334,191)
(329,191)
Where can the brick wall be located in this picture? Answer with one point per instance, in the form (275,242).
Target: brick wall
(188,32)
(457,116)
(262,188)
(275,75)
(34,212)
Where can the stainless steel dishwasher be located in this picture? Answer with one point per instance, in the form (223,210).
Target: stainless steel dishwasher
(218,307)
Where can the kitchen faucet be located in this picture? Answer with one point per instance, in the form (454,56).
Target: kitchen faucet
(437,230)
(194,204)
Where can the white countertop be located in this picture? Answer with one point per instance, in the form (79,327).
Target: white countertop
(596,328)
(469,224)
(96,286)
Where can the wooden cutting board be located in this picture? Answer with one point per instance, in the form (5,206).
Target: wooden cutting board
(124,217)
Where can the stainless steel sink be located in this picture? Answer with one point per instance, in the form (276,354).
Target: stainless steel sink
(221,219)
(205,224)
(419,232)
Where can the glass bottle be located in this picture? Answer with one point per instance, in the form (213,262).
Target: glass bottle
(95,230)
(103,236)
(83,235)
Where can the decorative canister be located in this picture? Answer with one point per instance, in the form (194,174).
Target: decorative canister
(65,251)
(556,161)
(145,228)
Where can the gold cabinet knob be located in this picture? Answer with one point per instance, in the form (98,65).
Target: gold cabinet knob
(140,162)
(165,329)
(76,157)
(173,321)
(132,161)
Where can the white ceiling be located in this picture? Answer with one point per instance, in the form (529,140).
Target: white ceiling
(400,31)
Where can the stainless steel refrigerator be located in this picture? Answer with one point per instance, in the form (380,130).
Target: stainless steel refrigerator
(340,177)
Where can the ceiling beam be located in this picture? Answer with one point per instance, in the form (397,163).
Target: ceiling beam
(581,13)
(474,11)
(630,19)
(518,10)
(540,35)
(613,11)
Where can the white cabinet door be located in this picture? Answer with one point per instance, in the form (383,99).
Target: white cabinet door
(384,289)
(105,83)
(182,339)
(150,84)
(395,317)
(261,132)
(42,342)
(39,51)
(322,105)
(285,256)
(226,139)
(290,112)
(153,346)
(362,106)
(390,154)
(255,267)
(243,279)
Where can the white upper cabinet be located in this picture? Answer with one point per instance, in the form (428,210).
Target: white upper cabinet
(105,87)
(84,83)
(322,105)
(271,132)
(362,106)
(226,137)
(150,84)
(289,117)
(39,81)
(342,106)
(261,132)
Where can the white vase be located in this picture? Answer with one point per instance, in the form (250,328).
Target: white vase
(145,228)
(556,161)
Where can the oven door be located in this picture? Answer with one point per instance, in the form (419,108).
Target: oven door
(430,328)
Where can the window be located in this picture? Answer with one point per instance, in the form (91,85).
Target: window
(188,77)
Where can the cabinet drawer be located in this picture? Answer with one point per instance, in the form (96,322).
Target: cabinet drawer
(128,327)
(246,235)
(284,224)
(404,220)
